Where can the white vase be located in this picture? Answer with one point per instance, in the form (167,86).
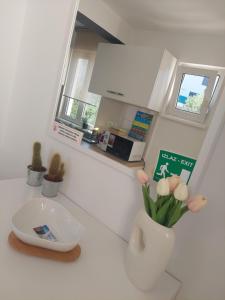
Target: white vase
(148,252)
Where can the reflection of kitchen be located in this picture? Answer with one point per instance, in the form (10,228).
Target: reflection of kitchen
(78,107)
(115,115)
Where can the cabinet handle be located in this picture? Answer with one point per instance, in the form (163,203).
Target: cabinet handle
(115,93)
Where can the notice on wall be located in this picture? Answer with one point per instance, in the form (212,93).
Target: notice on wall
(66,134)
(170,163)
(140,125)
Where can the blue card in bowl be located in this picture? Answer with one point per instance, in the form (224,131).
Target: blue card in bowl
(45,233)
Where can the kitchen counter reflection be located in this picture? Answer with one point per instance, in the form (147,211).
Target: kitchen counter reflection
(133,164)
(127,167)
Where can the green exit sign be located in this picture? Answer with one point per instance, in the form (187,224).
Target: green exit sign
(170,163)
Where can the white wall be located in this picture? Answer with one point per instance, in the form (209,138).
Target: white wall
(199,256)
(175,137)
(41,51)
(195,48)
(109,113)
(11,25)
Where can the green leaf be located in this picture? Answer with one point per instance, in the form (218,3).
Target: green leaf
(153,209)
(163,210)
(176,214)
(146,200)
(149,203)
(183,210)
(171,210)
(161,200)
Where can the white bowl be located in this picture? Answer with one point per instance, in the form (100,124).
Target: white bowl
(43,211)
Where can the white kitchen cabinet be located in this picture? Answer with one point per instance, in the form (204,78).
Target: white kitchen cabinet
(132,74)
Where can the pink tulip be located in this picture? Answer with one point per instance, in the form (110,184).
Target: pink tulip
(173,182)
(142,176)
(196,203)
(162,187)
(181,192)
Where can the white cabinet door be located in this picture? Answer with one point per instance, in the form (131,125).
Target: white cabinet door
(132,74)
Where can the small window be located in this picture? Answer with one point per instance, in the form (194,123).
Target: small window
(192,93)
(77,103)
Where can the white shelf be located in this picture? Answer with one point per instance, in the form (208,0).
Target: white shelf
(97,275)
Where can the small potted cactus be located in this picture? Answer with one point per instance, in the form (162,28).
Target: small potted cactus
(35,171)
(52,180)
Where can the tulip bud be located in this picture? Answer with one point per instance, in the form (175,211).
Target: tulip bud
(163,188)
(173,182)
(142,176)
(196,203)
(181,192)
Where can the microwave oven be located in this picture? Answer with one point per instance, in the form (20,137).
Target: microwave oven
(123,147)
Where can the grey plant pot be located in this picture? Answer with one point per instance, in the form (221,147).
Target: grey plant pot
(50,188)
(34,178)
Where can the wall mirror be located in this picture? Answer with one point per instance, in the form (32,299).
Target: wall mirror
(77,107)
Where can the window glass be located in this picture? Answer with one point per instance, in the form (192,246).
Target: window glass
(79,79)
(71,108)
(90,112)
(191,93)
(77,103)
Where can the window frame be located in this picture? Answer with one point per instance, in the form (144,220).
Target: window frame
(186,115)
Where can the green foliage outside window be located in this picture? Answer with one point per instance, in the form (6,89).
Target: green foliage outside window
(193,103)
(90,113)
(74,109)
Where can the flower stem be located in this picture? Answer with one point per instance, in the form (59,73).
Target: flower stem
(146,202)
(176,214)
(149,203)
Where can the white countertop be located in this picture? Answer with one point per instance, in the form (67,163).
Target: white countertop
(97,275)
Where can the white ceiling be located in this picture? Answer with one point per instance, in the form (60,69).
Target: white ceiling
(182,15)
